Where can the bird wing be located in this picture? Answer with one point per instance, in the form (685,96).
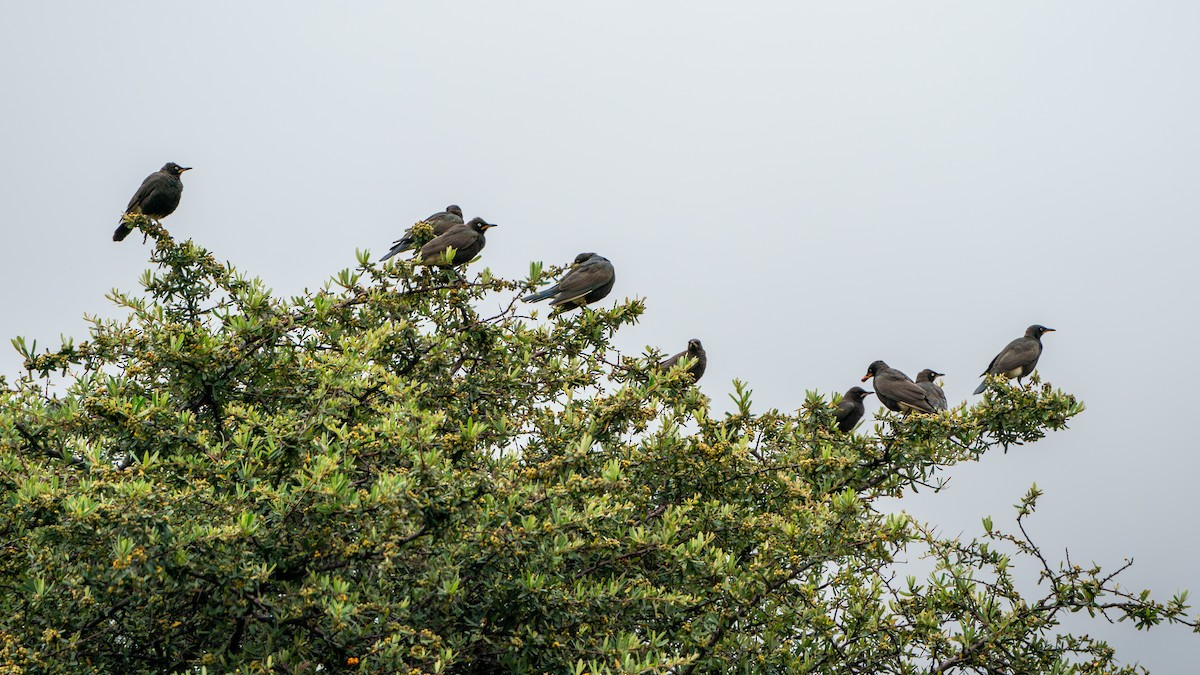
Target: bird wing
(459,237)
(905,391)
(152,181)
(848,413)
(671,362)
(443,221)
(1018,353)
(936,395)
(444,215)
(583,280)
(844,407)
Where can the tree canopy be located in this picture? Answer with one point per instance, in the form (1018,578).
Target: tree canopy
(381,476)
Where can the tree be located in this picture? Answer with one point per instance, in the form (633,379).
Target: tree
(379,476)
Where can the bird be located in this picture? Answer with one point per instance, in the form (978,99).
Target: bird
(466,239)
(850,410)
(1019,358)
(925,380)
(157,198)
(590,278)
(896,391)
(441,221)
(695,351)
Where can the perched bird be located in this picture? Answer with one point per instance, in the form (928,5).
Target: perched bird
(441,221)
(157,198)
(850,410)
(466,239)
(695,350)
(1019,358)
(896,391)
(925,380)
(590,278)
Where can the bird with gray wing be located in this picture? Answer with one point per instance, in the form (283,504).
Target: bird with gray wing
(896,391)
(694,351)
(851,409)
(467,240)
(590,278)
(157,198)
(441,221)
(1018,358)
(925,380)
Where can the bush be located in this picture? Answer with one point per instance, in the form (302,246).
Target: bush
(377,477)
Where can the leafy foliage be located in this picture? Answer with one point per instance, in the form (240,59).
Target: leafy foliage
(378,476)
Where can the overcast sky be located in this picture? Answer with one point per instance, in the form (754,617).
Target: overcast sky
(806,187)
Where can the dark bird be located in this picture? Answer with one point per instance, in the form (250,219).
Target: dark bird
(896,391)
(850,409)
(157,198)
(590,278)
(1019,358)
(441,221)
(695,350)
(925,380)
(467,240)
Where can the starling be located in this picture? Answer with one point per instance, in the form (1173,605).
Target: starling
(694,351)
(466,239)
(590,278)
(925,380)
(441,221)
(850,410)
(1019,358)
(896,391)
(157,198)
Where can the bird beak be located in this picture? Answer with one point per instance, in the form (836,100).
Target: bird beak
(184,168)
(865,377)
(490,226)
(1051,330)
(868,393)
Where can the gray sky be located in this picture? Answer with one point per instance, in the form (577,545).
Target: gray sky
(806,187)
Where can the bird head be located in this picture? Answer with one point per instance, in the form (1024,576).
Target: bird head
(583,257)
(857,393)
(174,169)
(694,346)
(481,225)
(1037,330)
(928,375)
(874,369)
(455,209)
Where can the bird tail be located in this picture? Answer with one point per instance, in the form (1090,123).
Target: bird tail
(399,246)
(981,387)
(123,231)
(542,295)
(389,254)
